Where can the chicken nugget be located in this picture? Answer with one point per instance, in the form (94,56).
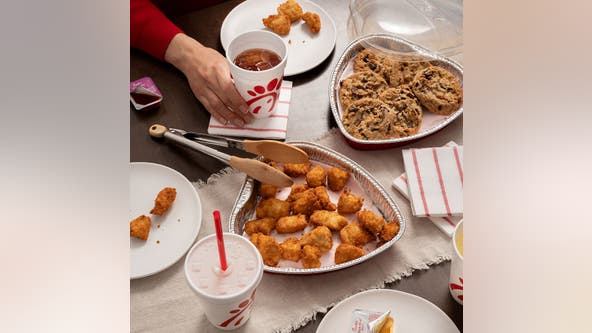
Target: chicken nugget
(267,191)
(371,221)
(296,169)
(316,176)
(164,200)
(306,203)
(264,226)
(331,220)
(268,247)
(389,231)
(321,193)
(313,21)
(291,9)
(280,24)
(320,237)
(355,234)
(273,207)
(336,179)
(346,252)
(310,256)
(349,203)
(299,188)
(289,224)
(291,249)
(140,227)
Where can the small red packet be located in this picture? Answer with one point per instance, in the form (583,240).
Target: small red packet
(144,94)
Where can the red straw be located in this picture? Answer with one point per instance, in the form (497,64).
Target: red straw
(220,238)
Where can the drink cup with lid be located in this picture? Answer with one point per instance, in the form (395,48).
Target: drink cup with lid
(226,296)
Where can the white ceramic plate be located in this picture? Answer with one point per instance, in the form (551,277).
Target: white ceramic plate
(411,313)
(178,227)
(305,49)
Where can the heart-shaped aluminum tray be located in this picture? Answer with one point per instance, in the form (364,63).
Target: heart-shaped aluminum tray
(398,48)
(248,198)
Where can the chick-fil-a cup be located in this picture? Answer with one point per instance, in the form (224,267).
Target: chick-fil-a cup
(226,296)
(257,60)
(456,283)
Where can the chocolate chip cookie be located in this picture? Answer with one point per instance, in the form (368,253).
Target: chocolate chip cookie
(403,72)
(437,90)
(368,119)
(402,92)
(408,114)
(367,60)
(360,85)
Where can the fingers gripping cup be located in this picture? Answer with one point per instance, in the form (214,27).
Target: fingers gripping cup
(226,296)
(456,267)
(257,61)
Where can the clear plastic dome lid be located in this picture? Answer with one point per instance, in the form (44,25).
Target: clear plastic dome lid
(433,24)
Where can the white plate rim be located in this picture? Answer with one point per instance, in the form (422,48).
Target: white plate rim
(197,229)
(312,4)
(344,302)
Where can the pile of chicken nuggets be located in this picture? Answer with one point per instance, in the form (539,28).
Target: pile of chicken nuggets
(289,12)
(310,204)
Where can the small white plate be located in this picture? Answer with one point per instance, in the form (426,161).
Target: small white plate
(305,49)
(411,313)
(178,227)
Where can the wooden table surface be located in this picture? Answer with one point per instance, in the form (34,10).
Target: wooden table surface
(313,118)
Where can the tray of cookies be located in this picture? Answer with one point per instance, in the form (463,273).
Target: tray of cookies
(336,215)
(386,91)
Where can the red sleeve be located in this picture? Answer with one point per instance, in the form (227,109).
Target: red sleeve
(150,30)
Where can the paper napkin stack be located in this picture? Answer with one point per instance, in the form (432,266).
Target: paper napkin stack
(433,182)
(274,127)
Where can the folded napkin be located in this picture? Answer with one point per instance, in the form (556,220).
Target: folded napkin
(435,181)
(274,127)
(445,223)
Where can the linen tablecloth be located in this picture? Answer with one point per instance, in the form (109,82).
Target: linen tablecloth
(164,302)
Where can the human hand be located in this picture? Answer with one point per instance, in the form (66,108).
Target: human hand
(209,77)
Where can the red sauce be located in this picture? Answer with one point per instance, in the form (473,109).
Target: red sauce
(257,59)
(143,99)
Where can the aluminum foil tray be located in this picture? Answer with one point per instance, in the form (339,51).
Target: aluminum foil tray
(398,48)
(248,198)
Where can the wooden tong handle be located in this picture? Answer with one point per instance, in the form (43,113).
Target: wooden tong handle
(261,171)
(276,151)
(157,130)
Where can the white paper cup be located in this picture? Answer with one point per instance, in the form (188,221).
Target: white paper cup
(456,267)
(226,311)
(261,89)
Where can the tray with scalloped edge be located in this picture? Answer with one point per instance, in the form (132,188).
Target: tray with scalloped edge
(361,182)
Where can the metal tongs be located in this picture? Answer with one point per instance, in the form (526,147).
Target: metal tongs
(264,173)
(270,149)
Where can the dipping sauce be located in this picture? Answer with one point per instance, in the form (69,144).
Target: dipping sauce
(257,59)
(144,99)
(459,243)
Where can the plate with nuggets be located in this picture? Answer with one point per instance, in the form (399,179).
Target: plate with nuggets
(165,217)
(336,215)
(386,91)
(307,29)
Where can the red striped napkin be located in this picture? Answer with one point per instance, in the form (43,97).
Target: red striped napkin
(445,223)
(274,127)
(435,180)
